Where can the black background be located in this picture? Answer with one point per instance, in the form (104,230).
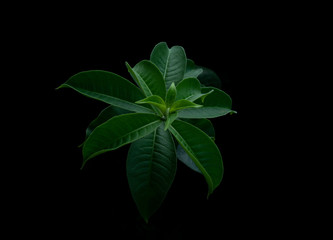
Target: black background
(55,195)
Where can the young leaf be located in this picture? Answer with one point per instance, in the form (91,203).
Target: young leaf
(172,117)
(149,78)
(119,131)
(151,167)
(202,150)
(154,100)
(216,104)
(107,87)
(182,104)
(192,70)
(171,62)
(171,95)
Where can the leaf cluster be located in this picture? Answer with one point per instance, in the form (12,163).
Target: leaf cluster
(164,116)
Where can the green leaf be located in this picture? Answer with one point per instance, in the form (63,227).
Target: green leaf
(209,78)
(216,104)
(154,100)
(192,70)
(171,62)
(185,158)
(171,95)
(149,78)
(206,126)
(182,104)
(151,167)
(190,89)
(202,150)
(107,87)
(172,117)
(104,115)
(119,131)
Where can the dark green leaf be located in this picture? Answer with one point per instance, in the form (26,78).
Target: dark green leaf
(107,87)
(119,131)
(192,70)
(209,78)
(104,115)
(206,126)
(202,150)
(216,104)
(149,78)
(151,167)
(171,62)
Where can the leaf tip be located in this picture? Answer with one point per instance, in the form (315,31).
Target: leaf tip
(61,86)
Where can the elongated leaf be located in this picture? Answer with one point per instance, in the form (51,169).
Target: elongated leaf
(107,87)
(186,159)
(206,126)
(202,150)
(118,131)
(149,78)
(171,62)
(192,70)
(216,104)
(171,95)
(182,104)
(104,115)
(154,100)
(151,167)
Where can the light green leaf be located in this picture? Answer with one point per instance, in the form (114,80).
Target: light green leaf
(151,167)
(216,104)
(107,87)
(171,62)
(202,150)
(172,117)
(171,95)
(154,100)
(192,70)
(149,78)
(182,104)
(119,131)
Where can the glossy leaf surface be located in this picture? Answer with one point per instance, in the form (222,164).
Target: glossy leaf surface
(118,131)
(206,126)
(192,70)
(149,78)
(216,104)
(202,150)
(104,115)
(154,100)
(171,62)
(182,104)
(107,87)
(151,167)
